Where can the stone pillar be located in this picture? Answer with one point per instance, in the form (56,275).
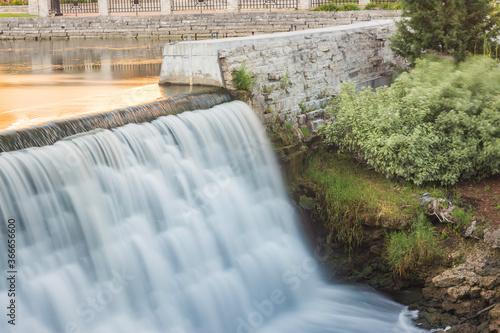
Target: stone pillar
(43,8)
(364,2)
(166,7)
(304,4)
(33,7)
(103,7)
(233,4)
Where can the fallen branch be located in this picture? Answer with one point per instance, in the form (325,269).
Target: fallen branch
(478,314)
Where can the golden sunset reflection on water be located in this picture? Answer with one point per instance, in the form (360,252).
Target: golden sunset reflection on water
(49,80)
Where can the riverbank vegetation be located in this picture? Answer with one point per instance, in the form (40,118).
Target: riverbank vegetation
(439,123)
(404,185)
(351,199)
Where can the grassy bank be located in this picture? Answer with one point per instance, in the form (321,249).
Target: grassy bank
(352,201)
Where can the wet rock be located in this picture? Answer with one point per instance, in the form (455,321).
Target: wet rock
(431,319)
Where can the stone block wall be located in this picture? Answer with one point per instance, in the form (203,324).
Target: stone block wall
(180,26)
(296,76)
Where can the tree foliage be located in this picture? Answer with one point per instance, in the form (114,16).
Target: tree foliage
(438,123)
(453,27)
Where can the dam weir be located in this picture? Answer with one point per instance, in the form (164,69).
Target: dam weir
(179,224)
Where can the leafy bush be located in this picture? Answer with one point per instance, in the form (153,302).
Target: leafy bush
(407,249)
(439,123)
(384,6)
(348,7)
(390,6)
(371,5)
(243,78)
(456,28)
(330,7)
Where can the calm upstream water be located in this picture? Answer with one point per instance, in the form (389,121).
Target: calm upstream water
(48,80)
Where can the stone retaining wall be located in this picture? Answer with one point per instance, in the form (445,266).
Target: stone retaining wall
(296,72)
(179,26)
(14,9)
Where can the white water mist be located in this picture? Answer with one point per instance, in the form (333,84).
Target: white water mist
(178,225)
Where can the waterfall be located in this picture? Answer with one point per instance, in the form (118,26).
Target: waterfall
(181,224)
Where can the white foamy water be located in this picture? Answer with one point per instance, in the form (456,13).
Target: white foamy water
(178,225)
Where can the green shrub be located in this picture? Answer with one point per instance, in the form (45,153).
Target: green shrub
(330,7)
(384,6)
(407,249)
(243,78)
(390,6)
(439,123)
(348,7)
(371,5)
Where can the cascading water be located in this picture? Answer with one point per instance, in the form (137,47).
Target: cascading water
(178,225)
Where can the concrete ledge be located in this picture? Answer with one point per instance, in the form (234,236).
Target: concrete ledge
(199,61)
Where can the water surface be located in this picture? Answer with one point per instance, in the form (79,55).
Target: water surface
(42,81)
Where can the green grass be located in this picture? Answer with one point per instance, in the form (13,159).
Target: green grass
(305,131)
(350,195)
(407,249)
(16,15)
(462,216)
(243,78)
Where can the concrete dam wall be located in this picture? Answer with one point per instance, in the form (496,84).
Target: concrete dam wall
(296,72)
